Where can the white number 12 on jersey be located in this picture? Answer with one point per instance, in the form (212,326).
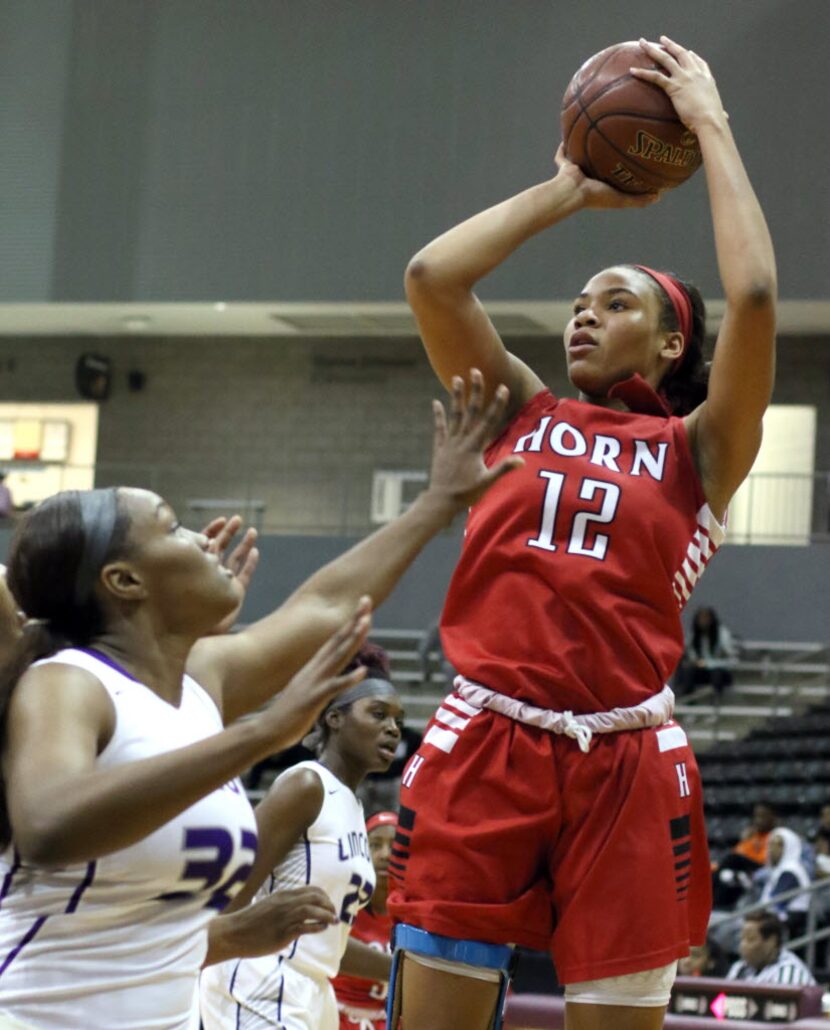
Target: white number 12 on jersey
(582,519)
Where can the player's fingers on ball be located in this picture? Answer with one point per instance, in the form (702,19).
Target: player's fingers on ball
(660,55)
(651,75)
(675,49)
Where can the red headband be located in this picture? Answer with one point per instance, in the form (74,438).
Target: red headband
(680,301)
(381,819)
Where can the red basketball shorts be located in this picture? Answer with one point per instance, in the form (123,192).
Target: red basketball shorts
(511,835)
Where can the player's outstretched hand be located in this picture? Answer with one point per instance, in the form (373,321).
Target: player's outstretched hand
(294,710)
(458,469)
(596,194)
(686,79)
(270,925)
(242,560)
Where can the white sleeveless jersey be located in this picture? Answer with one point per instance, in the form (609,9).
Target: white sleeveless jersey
(333,855)
(116,944)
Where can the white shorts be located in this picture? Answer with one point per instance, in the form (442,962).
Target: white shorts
(649,989)
(232,995)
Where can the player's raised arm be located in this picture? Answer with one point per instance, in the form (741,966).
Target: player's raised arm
(246,668)
(440,279)
(726,429)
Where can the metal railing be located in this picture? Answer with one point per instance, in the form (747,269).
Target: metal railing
(797,674)
(812,933)
(330,497)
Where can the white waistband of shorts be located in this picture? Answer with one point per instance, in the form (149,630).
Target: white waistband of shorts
(655,711)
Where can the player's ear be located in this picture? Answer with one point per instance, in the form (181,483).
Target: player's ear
(334,718)
(673,344)
(123,582)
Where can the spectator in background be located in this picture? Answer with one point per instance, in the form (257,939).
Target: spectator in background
(764,959)
(786,873)
(824,818)
(710,654)
(821,844)
(707,960)
(733,878)
(754,840)
(6,501)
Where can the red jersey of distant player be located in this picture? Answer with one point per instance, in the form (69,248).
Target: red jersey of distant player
(357,994)
(575,567)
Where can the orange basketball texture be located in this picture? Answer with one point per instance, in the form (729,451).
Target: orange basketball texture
(622,130)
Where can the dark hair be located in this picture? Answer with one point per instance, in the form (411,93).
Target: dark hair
(711,631)
(376,661)
(769,925)
(685,385)
(44,562)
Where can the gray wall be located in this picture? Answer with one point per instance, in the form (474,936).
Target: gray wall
(303,149)
(788,586)
(299,424)
(276,418)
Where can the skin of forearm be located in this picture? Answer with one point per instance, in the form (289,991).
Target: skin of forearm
(469,251)
(222,939)
(103,811)
(746,260)
(375,565)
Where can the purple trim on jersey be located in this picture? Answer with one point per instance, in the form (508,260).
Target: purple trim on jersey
(308,881)
(279,1000)
(230,992)
(106,660)
(12,955)
(7,879)
(77,894)
(82,886)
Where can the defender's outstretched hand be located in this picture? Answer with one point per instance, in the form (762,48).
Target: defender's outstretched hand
(458,468)
(242,560)
(293,712)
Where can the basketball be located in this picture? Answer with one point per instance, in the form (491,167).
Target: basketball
(622,130)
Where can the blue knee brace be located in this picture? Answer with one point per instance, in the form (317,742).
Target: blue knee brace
(411,939)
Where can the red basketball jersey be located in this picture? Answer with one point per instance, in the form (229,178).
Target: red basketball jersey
(354,991)
(575,568)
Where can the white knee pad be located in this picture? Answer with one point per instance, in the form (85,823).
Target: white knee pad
(649,989)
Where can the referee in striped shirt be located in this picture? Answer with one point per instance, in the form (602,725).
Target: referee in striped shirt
(763,959)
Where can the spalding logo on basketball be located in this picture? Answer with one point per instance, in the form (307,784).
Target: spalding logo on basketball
(622,130)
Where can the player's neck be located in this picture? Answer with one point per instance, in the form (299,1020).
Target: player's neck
(345,771)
